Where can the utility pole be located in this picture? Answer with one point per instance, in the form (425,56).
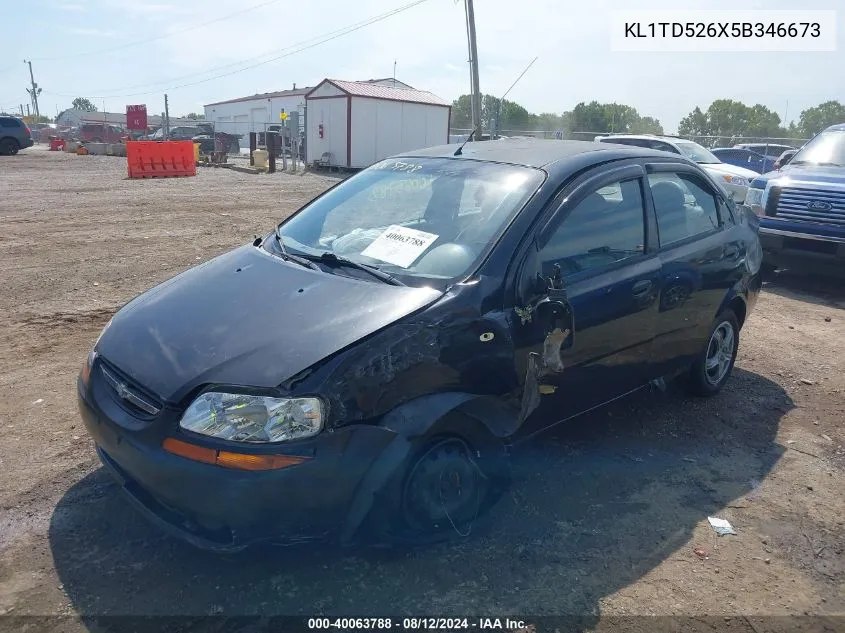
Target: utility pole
(475,96)
(166,121)
(35,91)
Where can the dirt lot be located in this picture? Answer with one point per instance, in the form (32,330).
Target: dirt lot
(602,519)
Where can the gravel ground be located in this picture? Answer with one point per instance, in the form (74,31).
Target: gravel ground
(602,519)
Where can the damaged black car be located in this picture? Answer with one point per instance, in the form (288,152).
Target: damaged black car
(363,369)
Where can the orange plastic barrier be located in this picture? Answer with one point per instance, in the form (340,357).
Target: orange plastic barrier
(151,159)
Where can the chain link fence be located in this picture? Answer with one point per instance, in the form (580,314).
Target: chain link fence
(291,132)
(709,141)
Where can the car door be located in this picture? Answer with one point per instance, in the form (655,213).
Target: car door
(592,258)
(699,263)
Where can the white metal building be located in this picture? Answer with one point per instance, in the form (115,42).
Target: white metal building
(251,114)
(361,122)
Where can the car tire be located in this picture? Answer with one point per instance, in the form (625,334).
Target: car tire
(711,371)
(442,492)
(9,147)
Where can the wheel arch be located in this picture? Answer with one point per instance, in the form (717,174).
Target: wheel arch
(737,303)
(482,421)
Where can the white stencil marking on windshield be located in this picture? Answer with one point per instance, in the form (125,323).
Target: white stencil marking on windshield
(399,245)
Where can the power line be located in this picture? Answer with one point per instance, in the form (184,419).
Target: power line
(298,49)
(293,48)
(157,37)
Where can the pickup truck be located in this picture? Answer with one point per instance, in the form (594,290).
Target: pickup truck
(802,207)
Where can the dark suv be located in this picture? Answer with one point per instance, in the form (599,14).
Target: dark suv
(802,206)
(14,135)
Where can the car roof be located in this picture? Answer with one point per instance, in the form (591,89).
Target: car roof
(648,137)
(533,152)
(839,127)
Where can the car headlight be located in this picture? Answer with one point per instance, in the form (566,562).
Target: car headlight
(92,356)
(735,180)
(248,418)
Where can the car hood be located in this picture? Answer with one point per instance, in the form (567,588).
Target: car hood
(247,318)
(803,174)
(733,170)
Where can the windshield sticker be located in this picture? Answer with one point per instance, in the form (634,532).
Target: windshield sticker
(395,188)
(398,165)
(399,245)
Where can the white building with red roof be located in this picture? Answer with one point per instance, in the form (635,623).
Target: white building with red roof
(354,124)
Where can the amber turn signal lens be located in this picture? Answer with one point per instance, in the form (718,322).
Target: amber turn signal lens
(228,459)
(86,373)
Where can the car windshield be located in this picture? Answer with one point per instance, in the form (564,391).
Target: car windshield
(828,148)
(696,152)
(418,219)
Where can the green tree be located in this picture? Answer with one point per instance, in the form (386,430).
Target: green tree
(647,125)
(194,116)
(461,112)
(725,121)
(511,115)
(601,118)
(81,103)
(814,120)
(695,123)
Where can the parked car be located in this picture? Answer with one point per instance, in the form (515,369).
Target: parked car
(14,135)
(740,157)
(784,158)
(35,131)
(360,370)
(734,179)
(802,207)
(769,150)
(100,133)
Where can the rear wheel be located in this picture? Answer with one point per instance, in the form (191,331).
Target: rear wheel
(9,147)
(713,368)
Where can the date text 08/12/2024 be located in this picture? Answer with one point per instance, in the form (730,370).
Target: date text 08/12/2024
(416,624)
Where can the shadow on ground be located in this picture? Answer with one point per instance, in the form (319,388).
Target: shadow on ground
(594,506)
(811,288)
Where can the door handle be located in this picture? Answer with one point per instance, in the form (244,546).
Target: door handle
(642,287)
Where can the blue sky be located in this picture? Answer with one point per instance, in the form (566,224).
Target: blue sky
(80,48)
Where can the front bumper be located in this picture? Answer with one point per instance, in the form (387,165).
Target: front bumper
(787,248)
(223,509)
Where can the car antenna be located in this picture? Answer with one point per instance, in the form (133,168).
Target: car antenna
(458,151)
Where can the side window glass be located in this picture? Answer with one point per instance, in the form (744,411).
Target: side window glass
(684,208)
(605,227)
(664,147)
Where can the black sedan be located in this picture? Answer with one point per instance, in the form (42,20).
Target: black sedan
(362,369)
